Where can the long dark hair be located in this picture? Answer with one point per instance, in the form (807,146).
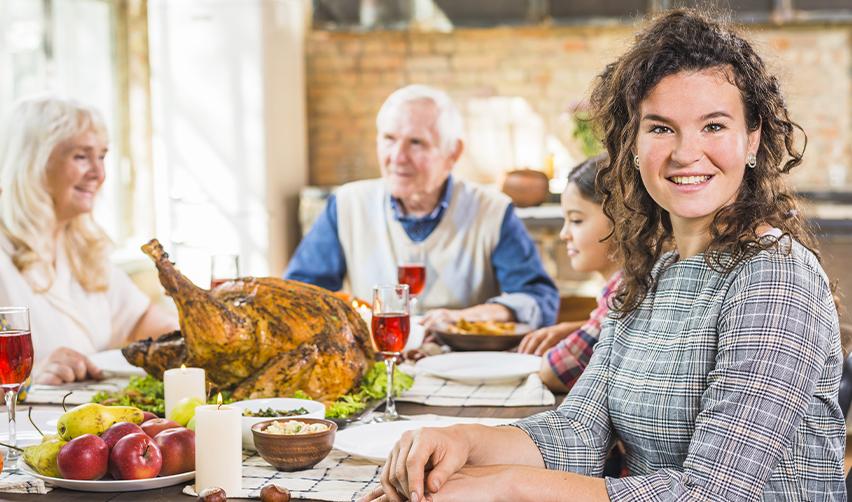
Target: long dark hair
(583,176)
(687,40)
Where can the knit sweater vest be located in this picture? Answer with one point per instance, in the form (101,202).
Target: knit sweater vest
(458,252)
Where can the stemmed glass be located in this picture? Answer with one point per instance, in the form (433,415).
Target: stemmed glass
(16,363)
(223,268)
(390,333)
(411,270)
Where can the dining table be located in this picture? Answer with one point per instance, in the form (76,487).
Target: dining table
(174,493)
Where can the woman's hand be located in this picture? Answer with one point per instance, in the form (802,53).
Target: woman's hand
(542,339)
(490,482)
(474,482)
(421,462)
(66,365)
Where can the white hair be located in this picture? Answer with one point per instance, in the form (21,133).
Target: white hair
(33,130)
(450,125)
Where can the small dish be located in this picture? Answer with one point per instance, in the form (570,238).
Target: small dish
(482,342)
(315,410)
(294,452)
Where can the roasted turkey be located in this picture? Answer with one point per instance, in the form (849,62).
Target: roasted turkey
(260,337)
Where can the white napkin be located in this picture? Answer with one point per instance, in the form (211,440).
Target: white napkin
(20,482)
(81,392)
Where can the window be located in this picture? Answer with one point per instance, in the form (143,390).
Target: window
(67,47)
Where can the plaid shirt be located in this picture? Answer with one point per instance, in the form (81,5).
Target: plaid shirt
(722,387)
(569,357)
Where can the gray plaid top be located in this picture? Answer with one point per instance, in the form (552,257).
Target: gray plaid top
(722,387)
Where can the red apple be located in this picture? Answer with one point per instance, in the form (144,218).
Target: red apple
(135,456)
(155,425)
(178,448)
(147,415)
(84,457)
(118,431)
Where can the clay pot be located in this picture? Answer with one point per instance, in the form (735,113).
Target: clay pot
(526,187)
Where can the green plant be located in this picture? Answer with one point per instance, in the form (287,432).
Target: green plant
(584,132)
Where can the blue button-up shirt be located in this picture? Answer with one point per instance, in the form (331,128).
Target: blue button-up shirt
(527,289)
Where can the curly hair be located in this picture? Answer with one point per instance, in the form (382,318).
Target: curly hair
(688,40)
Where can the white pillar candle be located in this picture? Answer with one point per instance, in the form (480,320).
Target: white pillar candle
(183,382)
(218,449)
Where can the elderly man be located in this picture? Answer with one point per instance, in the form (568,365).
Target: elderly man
(481,263)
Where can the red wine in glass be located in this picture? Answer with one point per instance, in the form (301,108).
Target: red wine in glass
(390,331)
(214,283)
(16,362)
(16,358)
(223,268)
(414,275)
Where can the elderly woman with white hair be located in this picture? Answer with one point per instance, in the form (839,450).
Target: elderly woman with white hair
(54,255)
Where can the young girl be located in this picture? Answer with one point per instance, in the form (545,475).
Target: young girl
(569,346)
(718,366)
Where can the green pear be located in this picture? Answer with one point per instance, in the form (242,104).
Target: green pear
(42,457)
(94,418)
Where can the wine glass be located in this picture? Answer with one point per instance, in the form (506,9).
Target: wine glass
(411,270)
(390,333)
(16,363)
(223,268)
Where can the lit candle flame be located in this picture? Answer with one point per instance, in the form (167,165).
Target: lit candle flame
(219,400)
(183,367)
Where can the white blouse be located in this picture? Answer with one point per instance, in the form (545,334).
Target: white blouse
(69,316)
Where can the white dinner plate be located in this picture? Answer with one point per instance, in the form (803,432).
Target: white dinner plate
(110,485)
(374,441)
(113,363)
(480,367)
(315,410)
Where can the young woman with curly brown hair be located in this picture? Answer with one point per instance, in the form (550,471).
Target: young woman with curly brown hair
(719,367)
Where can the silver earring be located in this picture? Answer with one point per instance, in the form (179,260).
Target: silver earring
(751,160)
(636,161)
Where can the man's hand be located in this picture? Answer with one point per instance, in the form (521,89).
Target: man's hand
(542,339)
(66,365)
(485,312)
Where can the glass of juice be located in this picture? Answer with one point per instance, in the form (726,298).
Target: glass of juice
(390,327)
(411,270)
(224,268)
(16,363)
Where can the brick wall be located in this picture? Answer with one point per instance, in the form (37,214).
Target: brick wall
(541,73)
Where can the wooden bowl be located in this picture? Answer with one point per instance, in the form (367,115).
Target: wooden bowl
(293,452)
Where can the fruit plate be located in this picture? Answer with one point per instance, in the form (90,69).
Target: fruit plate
(110,485)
